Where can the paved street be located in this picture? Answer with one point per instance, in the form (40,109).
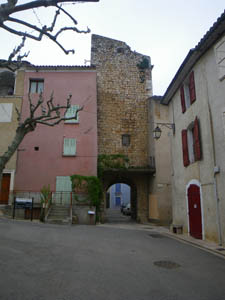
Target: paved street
(46,262)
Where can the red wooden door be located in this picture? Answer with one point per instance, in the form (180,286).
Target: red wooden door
(195,215)
(4,192)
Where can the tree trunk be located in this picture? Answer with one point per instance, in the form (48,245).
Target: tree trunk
(20,133)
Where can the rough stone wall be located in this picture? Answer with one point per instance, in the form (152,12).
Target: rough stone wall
(122,91)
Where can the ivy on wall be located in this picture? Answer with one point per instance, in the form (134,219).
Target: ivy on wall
(111,161)
(91,186)
(142,66)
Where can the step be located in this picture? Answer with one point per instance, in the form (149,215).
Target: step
(58,221)
(57,212)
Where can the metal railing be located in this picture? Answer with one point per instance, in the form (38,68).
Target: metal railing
(57,197)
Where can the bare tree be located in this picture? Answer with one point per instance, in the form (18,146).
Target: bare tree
(38,31)
(39,113)
(49,115)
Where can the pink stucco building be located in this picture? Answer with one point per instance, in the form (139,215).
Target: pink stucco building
(49,155)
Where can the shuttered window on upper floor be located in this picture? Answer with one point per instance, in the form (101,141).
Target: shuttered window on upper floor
(191,143)
(69,147)
(220,58)
(6,110)
(36,86)
(72,112)
(187,92)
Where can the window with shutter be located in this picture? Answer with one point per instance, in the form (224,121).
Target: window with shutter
(182,99)
(190,139)
(187,92)
(6,110)
(197,140)
(191,143)
(69,147)
(220,58)
(192,87)
(185,148)
(71,112)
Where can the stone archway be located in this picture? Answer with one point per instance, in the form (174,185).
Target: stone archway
(138,180)
(133,191)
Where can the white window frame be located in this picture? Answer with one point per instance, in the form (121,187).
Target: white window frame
(220,58)
(187,93)
(70,113)
(36,86)
(190,138)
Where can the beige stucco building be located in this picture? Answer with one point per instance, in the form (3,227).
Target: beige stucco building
(11,93)
(196,99)
(160,206)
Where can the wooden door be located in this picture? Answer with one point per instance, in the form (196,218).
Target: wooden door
(195,214)
(4,192)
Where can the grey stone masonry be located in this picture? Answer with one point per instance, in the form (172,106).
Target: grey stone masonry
(123,88)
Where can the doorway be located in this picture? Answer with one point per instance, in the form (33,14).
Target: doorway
(194,211)
(5,187)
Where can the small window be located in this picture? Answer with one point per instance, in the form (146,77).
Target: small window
(69,147)
(36,86)
(125,139)
(187,92)
(7,82)
(220,58)
(190,137)
(72,112)
(191,143)
(6,112)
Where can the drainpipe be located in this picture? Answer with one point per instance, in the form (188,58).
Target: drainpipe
(216,171)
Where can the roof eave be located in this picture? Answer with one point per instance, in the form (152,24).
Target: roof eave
(210,38)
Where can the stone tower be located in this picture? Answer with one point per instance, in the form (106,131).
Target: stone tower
(124,86)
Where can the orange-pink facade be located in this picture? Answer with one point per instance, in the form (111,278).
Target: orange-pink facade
(40,156)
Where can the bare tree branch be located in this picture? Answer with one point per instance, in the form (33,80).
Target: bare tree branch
(51,118)
(18,114)
(11,7)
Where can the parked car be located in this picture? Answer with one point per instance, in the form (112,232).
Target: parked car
(127,210)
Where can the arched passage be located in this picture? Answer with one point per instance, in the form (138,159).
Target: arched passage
(118,195)
(113,181)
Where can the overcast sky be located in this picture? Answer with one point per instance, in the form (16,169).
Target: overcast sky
(163,29)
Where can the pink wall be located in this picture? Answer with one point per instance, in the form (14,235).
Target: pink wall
(38,168)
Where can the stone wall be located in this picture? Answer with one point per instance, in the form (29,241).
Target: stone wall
(123,87)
